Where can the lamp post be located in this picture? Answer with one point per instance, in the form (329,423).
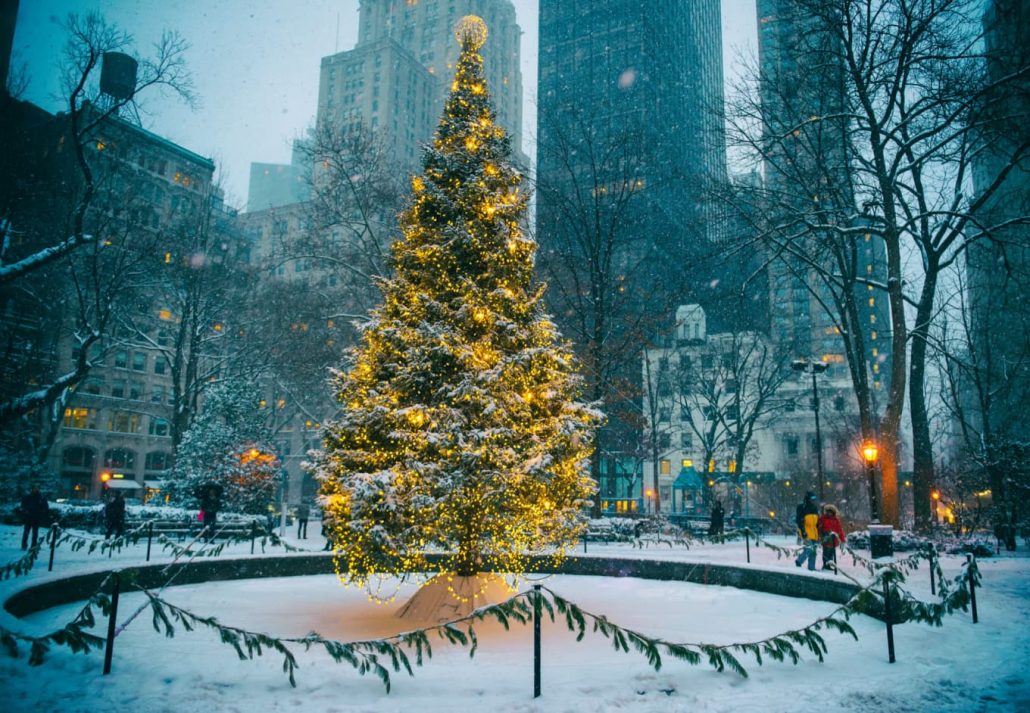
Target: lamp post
(870,453)
(815,367)
(935,495)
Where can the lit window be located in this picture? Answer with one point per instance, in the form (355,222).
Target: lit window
(664,466)
(80,418)
(872,335)
(872,319)
(165,314)
(872,301)
(168,258)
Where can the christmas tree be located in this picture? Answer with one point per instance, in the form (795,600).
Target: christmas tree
(460,429)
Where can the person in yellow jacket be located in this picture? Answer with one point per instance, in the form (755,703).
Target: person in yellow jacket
(807,521)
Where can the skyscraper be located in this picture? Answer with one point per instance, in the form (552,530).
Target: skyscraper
(647,74)
(396,78)
(999,267)
(629,137)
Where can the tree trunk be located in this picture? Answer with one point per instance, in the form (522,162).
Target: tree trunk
(922,447)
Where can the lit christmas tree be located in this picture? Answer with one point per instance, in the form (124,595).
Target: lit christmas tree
(460,430)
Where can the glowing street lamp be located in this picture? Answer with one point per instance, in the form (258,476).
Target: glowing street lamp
(935,495)
(814,368)
(870,452)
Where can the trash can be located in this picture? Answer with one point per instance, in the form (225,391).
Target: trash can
(881,541)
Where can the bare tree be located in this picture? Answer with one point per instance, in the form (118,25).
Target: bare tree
(985,388)
(909,122)
(71,218)
(600,264)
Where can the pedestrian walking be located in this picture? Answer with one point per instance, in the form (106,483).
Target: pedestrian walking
(34,512)
(808,530)
(114,516)
(831,533)
(716,524)
(327,534)
(303,512)
(210,504)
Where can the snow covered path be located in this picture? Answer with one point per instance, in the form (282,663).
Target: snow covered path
(959,667)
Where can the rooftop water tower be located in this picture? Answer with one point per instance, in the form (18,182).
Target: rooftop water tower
(118,77)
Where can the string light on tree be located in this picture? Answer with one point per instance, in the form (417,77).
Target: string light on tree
(460,430)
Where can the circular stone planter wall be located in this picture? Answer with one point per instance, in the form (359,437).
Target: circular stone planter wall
(66,590)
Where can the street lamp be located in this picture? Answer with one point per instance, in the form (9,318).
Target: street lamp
(648,494)
(815,367)
(935,495)
(870,452)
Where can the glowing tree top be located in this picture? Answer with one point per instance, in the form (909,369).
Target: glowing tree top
(460,430)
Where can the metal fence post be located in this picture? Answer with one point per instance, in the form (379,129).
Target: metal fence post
(889,615)
(970,563)
(933,573)
(109,651)
(150,538)
(53,546)
(747,543)
(536,640)
(253,534)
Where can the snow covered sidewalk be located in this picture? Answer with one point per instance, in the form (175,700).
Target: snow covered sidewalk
(958,667)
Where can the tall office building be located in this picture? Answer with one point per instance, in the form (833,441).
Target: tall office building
(397,77)
(999,268)
(806,174)
(643,74)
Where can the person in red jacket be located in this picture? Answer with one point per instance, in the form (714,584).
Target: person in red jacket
(831,532)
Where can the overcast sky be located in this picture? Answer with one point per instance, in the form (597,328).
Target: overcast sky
(255,66)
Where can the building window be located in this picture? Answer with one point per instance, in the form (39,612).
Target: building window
(118,388)
(120,458)
(123,422)
(686,440)
(80,418)
(664,441)
(139,361)
(158,460)
(121,358)
(159,365)
(157,394)
(135,390)
(663,414)
(791,445)
(664,466)
(838,403)
(79,457)
(158,426)
(93,384)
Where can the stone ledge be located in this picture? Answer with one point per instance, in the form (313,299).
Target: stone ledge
(67,590)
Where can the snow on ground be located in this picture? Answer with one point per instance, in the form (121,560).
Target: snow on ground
(959,667)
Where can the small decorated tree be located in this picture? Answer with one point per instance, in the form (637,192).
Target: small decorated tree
(228,445)
(460,430)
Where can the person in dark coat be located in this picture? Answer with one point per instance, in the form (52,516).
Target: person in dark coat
(114,516)
(211,503)
(716,526)
(34,512)
(303,513)
(327,534)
